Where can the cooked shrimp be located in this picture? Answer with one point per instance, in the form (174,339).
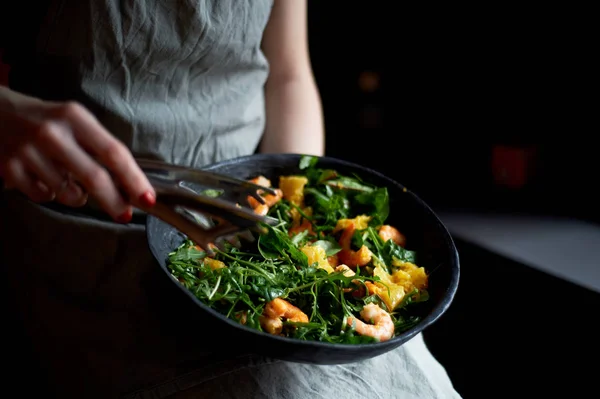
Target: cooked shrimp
(261,181)
(270,199)
(306,225)
(347,255)
(272,326)
(382,328)
(387,232)
(279,309)
(261,209)
(334,260)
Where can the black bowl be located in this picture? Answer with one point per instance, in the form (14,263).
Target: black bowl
(425,234)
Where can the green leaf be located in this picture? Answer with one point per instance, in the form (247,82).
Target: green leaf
(276,243)
(187,255)
(392,250)
(212,193)
(307,161)
(267,291)
(328,206)
(300,238)
(331,247)
(325,175)
(349,183)
(376,203)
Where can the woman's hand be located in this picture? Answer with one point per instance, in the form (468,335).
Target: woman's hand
(59,151)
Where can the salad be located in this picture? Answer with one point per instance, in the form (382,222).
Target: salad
(332,270)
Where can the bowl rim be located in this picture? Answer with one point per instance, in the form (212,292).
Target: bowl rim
(403,337)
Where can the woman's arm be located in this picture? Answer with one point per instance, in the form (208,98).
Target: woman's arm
(294,114)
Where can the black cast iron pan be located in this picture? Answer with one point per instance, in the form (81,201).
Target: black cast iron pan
(425,234)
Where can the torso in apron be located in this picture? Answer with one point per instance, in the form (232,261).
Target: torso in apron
(180,81)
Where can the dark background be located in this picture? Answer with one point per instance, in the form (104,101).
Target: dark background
(454,84)
(460,93)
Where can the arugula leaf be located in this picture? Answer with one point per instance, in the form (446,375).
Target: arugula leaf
(275,243)
(308,161)
(405,323)
(348,183)
(266,291)
(328,206)
(392,250)
(326,175)
(375,202)
(300,238)
(187,254)
(281,210)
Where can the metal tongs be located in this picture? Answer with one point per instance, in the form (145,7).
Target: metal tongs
(205,206)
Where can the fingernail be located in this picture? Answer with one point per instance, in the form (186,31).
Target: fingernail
(125,217)
(148,199)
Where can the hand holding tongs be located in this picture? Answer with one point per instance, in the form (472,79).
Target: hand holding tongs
(189,209)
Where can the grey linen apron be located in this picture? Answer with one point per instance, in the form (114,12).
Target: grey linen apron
(180,81)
